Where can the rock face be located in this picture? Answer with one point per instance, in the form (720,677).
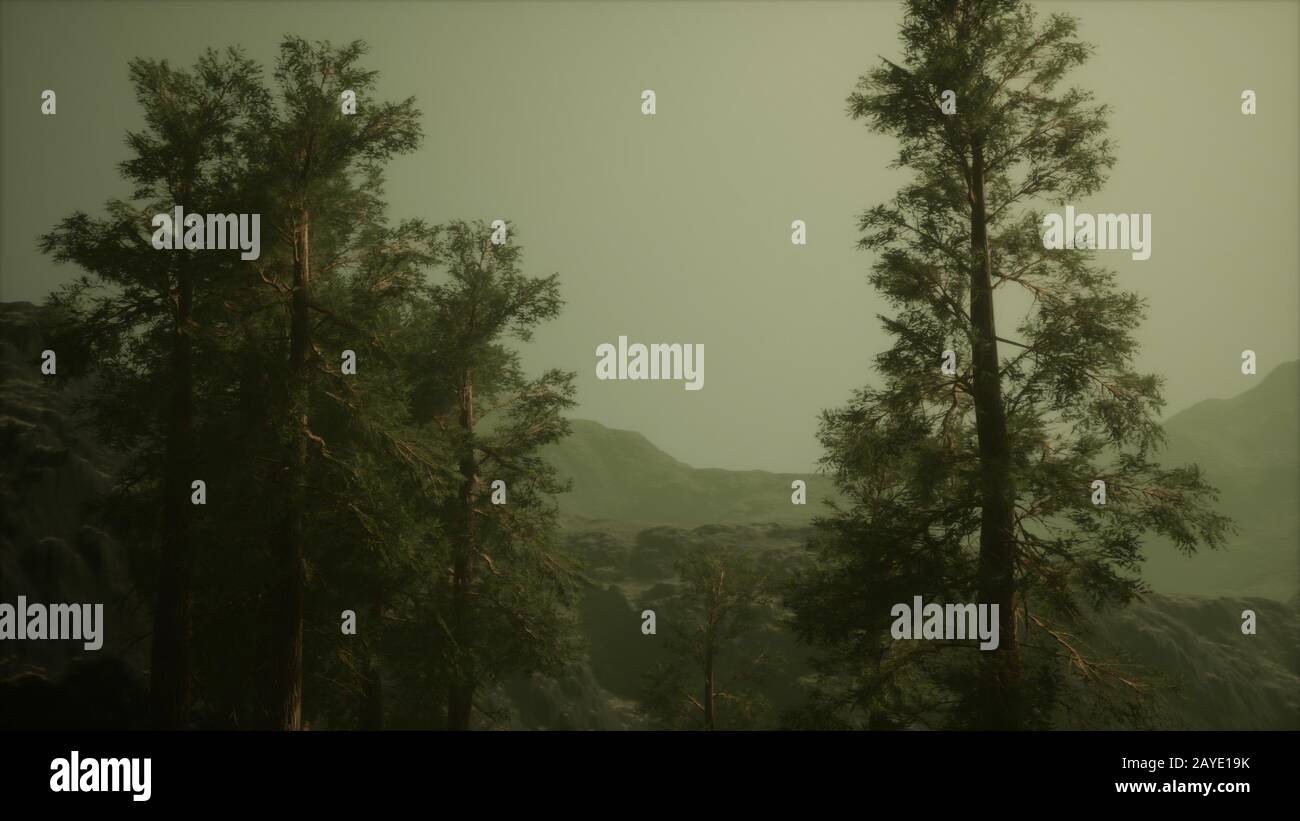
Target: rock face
(54,549)
(1216,678)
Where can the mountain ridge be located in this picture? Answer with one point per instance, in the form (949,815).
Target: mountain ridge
(1247,445)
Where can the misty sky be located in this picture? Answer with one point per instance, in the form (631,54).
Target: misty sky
(676,227)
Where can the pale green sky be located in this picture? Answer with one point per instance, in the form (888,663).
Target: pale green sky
(676,227)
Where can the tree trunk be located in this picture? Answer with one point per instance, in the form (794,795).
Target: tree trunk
(709,723)
(1000,702)
(287,695)
(170,667)
(372,685)
(460,698)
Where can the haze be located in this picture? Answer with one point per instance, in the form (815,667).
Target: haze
(676,227)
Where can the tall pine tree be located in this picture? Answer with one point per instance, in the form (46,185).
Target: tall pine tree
(141,311)
(976,486)
(319,181)
(502,604)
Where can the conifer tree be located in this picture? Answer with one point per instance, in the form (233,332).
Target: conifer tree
(710,681)
(502,602)
(141,311)
(976,485)
(379,483)
(318,179)
(268,333)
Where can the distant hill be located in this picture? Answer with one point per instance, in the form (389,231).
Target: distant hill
(1249,448)
(620,475)
(1259,427)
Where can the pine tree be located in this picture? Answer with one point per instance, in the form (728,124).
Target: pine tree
(381,469)
(976,486)
(318,177)
(142,314)
(710,681)
(376,489)
(502,605)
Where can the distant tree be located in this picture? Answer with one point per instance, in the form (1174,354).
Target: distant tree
(711,679)
(976,486)
(502,603)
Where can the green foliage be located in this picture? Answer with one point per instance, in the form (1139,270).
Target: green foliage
(507,605)
(377,491)
(907,455)
(710,681)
